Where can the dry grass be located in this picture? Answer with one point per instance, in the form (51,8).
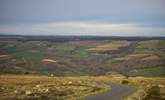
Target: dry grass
(44,88)
(144,57)
(68,88)
(114,45)
(49,60)
(152,57)
(147,88)
(131,56)
(1,56)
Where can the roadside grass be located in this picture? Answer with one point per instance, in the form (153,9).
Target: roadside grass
(148,88)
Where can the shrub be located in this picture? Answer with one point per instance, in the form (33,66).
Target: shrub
(124,82)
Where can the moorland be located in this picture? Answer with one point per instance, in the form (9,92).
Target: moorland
(65,67)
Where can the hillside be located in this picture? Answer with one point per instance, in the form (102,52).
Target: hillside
(82,56)
(37,87)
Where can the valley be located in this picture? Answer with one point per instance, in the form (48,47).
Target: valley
(81,57)
(79,68)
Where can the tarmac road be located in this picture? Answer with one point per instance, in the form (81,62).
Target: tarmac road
(118,92)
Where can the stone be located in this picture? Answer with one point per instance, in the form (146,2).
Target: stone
(28,92)
(70,82)
(38,86)
(47,90)
(16,91)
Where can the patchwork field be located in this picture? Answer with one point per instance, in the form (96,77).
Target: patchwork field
(112,46)
(75,68)
(82,57)
(153,71)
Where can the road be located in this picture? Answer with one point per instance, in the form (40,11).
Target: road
(117,92)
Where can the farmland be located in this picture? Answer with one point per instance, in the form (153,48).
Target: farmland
(74,68)
(82,57)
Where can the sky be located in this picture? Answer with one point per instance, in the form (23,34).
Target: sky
(83,17)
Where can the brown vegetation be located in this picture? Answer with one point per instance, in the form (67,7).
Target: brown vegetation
(42,87)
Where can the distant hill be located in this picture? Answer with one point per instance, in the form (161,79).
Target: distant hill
(82,55)
(60,38)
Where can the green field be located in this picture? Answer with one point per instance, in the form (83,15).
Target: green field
(154,72)
(77,58)
(75,69)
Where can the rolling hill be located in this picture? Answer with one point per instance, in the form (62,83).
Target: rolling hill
(77,56)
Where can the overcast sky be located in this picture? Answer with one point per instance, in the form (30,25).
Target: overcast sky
(83,17)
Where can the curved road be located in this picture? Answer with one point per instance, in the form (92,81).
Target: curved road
(117,92)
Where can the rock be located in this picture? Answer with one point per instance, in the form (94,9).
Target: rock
(79,81)
(58,88)
(38,86)
(2,88)
(70,82)
(161,86)
(148,86)
(64,83)
(51,75)
(16,91)
(28,92)
(47,90)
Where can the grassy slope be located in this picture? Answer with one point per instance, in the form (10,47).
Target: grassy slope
(152,88)
(69,88)
(153,71)
(75,58)
(49,88)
